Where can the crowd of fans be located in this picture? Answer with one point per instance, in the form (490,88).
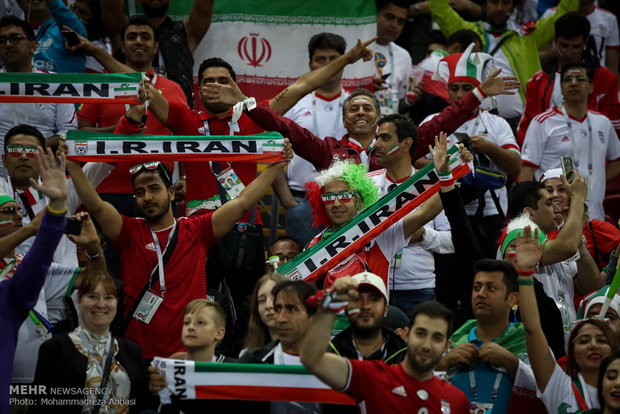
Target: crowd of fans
(492,296)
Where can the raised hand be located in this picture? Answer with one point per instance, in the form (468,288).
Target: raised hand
(287,154)
(528,250)
(53,180)
(440,153)
(217,93)
(499,85)
(577,188)
(88,235)
(360,51)
(85,47)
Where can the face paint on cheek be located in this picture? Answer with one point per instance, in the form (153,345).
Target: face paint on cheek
(393,150)
(4,223)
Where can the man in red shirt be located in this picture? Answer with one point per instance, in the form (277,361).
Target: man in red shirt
(154,300)
(140,47)
(404,388)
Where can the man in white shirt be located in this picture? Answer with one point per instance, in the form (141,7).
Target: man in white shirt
(412,270)
(492,142)
(321,113)
(574,131)
(17,47)
(392,61)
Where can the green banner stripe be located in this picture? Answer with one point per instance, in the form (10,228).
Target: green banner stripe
(298,8)
(94,136)
(294,20)
(250,368)
(292,264)
(134,77)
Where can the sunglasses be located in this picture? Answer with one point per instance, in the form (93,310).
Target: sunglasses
(150,166)
(16,150)
(12,210)
(14,39)
(580,79)
(343,197)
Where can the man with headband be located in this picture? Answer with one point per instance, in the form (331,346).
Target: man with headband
(561,270)
(601,237)
(164,258)
(337,195)
(491,141)
(572,130)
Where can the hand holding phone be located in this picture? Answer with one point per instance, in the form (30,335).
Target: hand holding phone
(70,36)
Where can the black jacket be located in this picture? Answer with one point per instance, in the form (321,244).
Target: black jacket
(393,351)
(61,365)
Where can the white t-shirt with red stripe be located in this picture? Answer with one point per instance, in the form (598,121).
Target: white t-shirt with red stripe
(603,28)
(547,139)
(497,131)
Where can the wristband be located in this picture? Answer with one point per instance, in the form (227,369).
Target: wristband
(525,281)
(445,179)
(525,272)
(478,93)
(95,256)
(57,212)
(446,183)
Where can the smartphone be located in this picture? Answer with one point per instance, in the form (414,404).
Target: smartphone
(73,227)
(461,136)
(71,37)
(567,168)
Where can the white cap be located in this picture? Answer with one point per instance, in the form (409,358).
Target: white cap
(614,305)
(367,278)
(552,173)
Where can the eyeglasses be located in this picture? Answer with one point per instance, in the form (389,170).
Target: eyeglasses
(16,150)
(343,197)
(579,79)
(150,166)
(14,39)
(12,210)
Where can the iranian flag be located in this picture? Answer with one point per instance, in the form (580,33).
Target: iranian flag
(266,42)
(254,382)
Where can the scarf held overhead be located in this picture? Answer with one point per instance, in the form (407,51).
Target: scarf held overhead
(93,146)
(70,88)
(315,261)
(254,382)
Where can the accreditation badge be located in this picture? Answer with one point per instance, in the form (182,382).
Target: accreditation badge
(230,181)
(147,307)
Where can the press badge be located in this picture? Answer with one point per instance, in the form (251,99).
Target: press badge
(397,259)
(229,180)
(147,307)
(480,408)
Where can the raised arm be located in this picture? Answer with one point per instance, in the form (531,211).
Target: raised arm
(227,215)
(528,254)
(105,59)
(89,239)
(198,22)
(565,245)
(330,368)
(312,80)
(105,213)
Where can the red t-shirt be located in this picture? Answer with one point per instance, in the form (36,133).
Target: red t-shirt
(103,115)
(200,181)
(389,389)
(184,275)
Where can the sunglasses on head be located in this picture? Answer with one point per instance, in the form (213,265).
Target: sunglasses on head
(16,150)
(343,197)
(150,166)
(12,210)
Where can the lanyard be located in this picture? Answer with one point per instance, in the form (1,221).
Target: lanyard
(572,140)
(232,127)
(474,390)
(337,118)
(160,261)
(108,354)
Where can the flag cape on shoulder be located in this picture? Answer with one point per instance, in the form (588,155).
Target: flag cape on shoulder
(315,261)
(102,147)
(70,87)
(255,382)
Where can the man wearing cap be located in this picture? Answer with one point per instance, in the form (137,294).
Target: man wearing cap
(154,301)
(488,351)
(572,130)
(408,387)
(493,144)
(601,237)
(367,337)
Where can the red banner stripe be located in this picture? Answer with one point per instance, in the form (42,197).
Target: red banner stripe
(256,393)
(76,100)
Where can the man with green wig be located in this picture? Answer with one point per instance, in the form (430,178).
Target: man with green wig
(337,195)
